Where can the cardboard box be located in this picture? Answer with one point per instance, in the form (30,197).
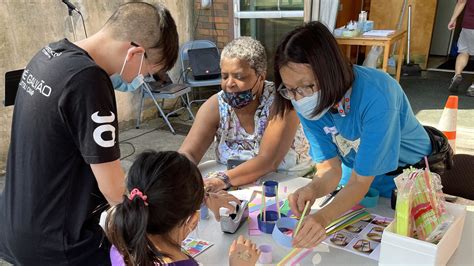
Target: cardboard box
(398,249)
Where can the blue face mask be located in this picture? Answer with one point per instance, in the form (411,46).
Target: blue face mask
(121,85)
(306,106)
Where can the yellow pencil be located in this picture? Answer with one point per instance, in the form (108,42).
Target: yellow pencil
(301,219)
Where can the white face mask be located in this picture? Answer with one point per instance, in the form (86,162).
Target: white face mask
(306,105)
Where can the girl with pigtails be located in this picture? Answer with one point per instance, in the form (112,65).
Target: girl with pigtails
(147,228)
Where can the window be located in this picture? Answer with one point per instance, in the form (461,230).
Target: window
(267,21)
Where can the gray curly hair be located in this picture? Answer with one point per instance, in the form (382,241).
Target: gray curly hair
(248,49)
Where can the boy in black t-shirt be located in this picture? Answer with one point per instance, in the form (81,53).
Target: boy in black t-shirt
(63,165)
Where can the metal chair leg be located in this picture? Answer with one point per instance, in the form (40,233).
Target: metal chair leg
(186,104)
(165,117)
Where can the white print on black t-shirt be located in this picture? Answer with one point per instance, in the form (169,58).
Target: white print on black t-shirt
(103,128)
(30,83)
(49,52)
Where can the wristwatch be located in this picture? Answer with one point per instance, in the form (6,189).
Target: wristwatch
(225,178)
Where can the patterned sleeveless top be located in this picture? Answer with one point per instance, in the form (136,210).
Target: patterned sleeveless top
(233,142)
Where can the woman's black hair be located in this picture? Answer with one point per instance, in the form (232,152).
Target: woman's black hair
(314,44)
(174,189)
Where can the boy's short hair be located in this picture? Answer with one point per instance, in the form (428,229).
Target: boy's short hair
(150,26)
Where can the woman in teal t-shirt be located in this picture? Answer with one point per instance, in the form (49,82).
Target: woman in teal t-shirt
(350,114)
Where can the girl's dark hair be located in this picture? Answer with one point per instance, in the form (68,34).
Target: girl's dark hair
(174,189)
(314,44)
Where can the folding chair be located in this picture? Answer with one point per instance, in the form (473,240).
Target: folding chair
(185,73)
(168,90)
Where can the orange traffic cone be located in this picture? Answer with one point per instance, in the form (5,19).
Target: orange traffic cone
(449,119)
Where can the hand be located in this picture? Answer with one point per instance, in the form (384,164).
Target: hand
(451,24)
(311,232)
(298,199)
(221,199)
(214,184)
(243,252)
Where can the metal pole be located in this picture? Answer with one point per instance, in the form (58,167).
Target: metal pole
(409,34)
(72,26)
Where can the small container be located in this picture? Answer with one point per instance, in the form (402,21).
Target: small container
(402,250)
(368,25)
(371,198)
(204,212)
(271,188)
(266,254)
(283,231)
(338,31)
(361,21)
(271,217)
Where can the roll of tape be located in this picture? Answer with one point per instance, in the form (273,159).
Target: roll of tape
(283,231)
(371,198)
(268,225)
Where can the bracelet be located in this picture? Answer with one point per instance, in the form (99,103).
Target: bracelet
(225,178)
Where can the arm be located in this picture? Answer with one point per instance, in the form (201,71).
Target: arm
(349,196)
(88,109)
(276,142)
(457,11)
(202,132)
(111,180)
(313,228)
(325,180)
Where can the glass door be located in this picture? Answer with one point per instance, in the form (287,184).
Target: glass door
(267,21)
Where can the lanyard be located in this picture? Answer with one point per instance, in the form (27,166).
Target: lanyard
(344,106)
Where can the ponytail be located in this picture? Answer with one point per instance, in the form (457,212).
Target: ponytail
(154,206)
(126,227)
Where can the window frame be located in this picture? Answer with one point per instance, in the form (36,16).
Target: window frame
(238,15)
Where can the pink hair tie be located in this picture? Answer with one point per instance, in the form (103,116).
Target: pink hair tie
(136,192)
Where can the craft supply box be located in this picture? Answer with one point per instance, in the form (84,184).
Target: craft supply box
(402,250)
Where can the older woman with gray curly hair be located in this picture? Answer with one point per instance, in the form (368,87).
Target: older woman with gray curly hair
(239,118)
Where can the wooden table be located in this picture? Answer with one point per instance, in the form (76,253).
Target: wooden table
(385,42)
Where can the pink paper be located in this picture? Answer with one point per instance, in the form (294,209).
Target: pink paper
(253,224)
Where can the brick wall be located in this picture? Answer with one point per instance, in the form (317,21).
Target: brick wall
(214,23)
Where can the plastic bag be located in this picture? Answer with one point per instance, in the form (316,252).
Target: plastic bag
(404,183)
(421,210)
(372,58)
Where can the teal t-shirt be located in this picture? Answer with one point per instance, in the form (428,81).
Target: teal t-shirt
(378,133)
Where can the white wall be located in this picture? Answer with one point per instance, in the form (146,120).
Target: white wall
(26,26)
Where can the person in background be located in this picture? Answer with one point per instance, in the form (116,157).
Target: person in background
(148,226)
(350,113)
(465,42)
(63,165)
(239,119)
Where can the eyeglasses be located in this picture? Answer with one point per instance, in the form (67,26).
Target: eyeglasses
(290,94)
